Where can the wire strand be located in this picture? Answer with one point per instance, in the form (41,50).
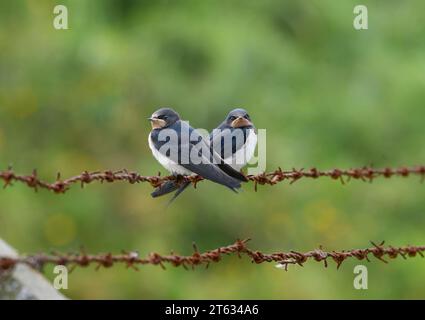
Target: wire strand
(367,174)
(239,248)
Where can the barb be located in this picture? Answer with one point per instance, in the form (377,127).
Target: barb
(283,259)
(271,178)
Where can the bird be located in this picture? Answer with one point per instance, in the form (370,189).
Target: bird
(183,151)
(234,152)
(235,139)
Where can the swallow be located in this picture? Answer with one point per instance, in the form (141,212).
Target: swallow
(235,140)
(177,157)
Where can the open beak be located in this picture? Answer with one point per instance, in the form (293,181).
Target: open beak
(240,122)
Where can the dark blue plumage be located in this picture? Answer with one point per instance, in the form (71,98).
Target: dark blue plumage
(238,124)
(189,142)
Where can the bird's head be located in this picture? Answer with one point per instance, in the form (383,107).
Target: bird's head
(239,118)
(163,118)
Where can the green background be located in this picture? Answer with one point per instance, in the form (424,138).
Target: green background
(328,95)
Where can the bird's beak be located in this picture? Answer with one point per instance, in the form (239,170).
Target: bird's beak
(241,122)
(157,123)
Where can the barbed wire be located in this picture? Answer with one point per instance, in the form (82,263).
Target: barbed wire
(344,175)
(283,259)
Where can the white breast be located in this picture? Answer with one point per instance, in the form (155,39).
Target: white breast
(242,156)
(167,163)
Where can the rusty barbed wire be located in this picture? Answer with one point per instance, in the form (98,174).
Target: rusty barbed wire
(240,248)
(344,175)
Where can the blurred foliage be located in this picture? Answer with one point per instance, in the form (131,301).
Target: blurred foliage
(328,95)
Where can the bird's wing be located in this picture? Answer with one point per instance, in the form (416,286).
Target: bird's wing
(227,141)
(208,170)
(178,192)
(218,160)
(206,163)
(165,188)
(188,148)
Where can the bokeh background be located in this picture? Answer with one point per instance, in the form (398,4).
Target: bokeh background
(328,95)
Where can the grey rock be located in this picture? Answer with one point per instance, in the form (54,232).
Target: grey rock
(23,282)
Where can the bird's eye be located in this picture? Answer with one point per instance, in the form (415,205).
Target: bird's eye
(247,116)
(232,118)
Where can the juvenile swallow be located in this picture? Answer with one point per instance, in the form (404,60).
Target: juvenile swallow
(234,140)
(178,156)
